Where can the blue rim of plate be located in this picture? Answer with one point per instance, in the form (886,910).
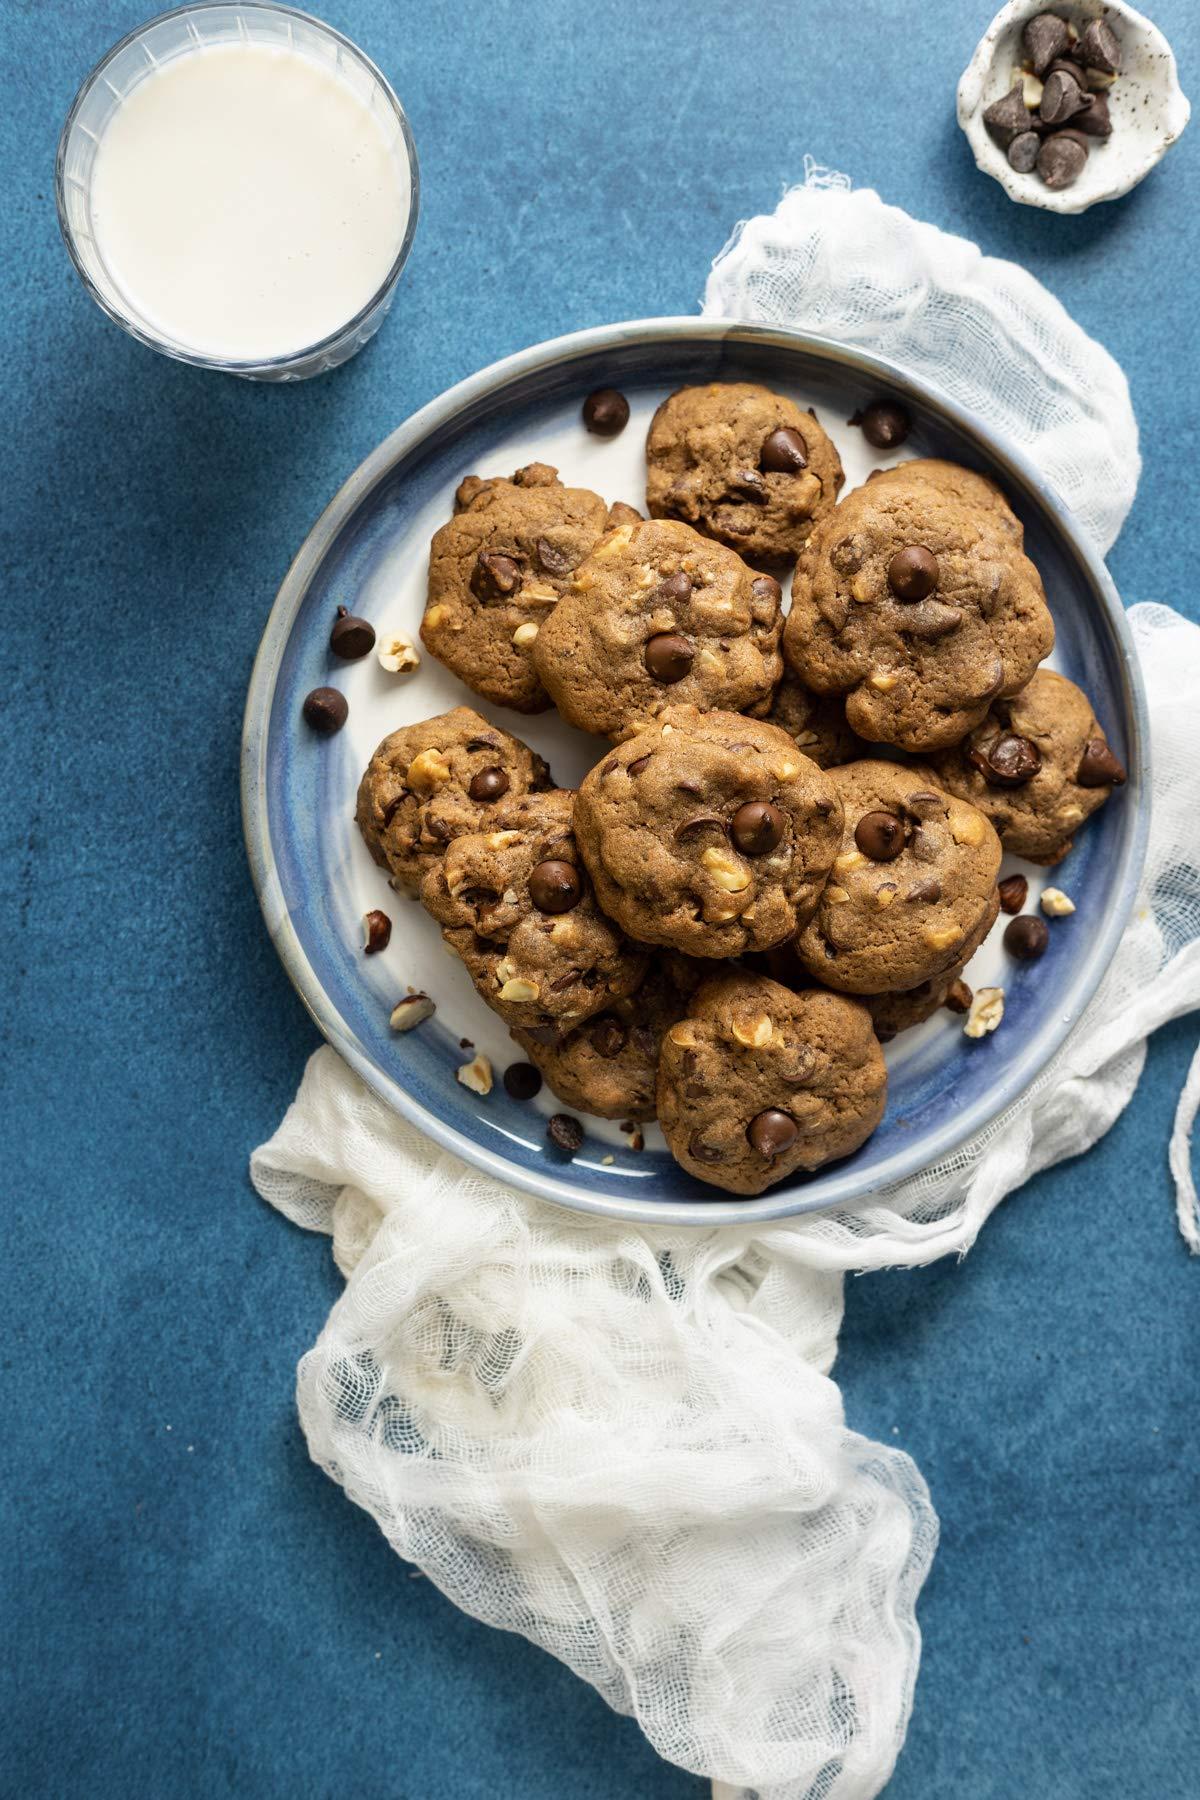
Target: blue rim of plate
(840,1187)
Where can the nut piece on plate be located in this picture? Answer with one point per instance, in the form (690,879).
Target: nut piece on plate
(477,1074)
(742,465)
(986,1012)
(502,562)
(920,607)
(1056,904)
(658,616)
(430,782)
(516,905)
(412,1011)
(708,833)
(913,889)
(758,1083)
(398,654)
(1038,765)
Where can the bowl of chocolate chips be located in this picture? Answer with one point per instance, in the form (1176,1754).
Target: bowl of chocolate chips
(1070,105)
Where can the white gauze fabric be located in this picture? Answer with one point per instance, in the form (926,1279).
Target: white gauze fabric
(624,1443)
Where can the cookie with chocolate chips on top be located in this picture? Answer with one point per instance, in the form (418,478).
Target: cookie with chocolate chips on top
(742,465)
(920,609)
(708,833)
(1039,766)
(912,893)
(758,1083)
(658,616)
(434,781)
(516,904)
(496,569)
(609,1065)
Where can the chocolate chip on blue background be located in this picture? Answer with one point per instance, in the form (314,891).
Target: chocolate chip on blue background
(1026,938)
(606,412)
(565,1133)
(784,452)
(351,637)
(1044,37)
(325,711)
(522,1081)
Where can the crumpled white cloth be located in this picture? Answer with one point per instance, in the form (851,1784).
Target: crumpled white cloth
(624,1443)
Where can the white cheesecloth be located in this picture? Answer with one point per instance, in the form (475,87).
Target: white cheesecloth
(622,1442)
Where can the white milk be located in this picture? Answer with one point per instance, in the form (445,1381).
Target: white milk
(247,201)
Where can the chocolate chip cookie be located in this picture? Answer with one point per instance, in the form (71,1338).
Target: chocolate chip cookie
(658,616)
(913,888)
(433,781)
(965,486)
(495,571)
(894,1013)
(517,906)
(758,1083)
(743,465)
(708,833)
(609,1065)
(817,723)
(1038,766)
(919,609)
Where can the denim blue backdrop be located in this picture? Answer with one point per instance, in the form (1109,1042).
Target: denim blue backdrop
(189,1607)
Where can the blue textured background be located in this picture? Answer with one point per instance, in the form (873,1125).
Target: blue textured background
(190,1608)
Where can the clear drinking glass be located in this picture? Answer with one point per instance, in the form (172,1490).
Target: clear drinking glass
(137,56)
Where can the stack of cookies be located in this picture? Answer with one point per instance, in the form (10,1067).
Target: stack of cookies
(793,847)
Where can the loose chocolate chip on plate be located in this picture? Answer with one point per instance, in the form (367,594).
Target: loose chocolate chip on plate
(879,835)
(1061,159)
(1099,47)
(1098,767)
(351,637)
(494,576)
(1044,37)
(1009,761)
(565,1133)
(1008,117)
(757,827)
(885,424)
(784,452)
(553,560)
(488,784)
(913,572)
(1061,99)
(668,657)
(1023,152)
(772,1132)
(554,887)
(606,412)
(325,711)
(1026,938)
(1012,891)
(522,1081)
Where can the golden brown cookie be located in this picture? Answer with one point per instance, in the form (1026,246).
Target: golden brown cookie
(758,1083)
(917,608)
(658,616)
(495,571)
(913,888)
(516,904)
(708,833)
(743,465)
(1038,766)
(965,486)
(433,781)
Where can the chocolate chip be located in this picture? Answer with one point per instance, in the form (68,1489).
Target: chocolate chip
(351,637)
(1009,761)
(636,767)
(494,576)
(554,887)
(765,587)
(885,424)
(608,1035)
(784,452)
(668,658)
(392,807)
(522,1081)
(879,835)
(772,1132)
(701,1152)
(606,412)
(930,619)
(925,803)
(701,823)
(488,784)
(378,929)
(748,484)
(1063,65)
(485,741)
(565,1133)
(1061,99)
(757,827)
(1095,118)
(913,572)
(325,711)
(1099,47)
(1023,152)
(958,996)
(1027,937)
(1061,159)
(930,889)
(1098,767)
(673,590)
(1044,37)
(554,561)
(1008,117)
(1012,891)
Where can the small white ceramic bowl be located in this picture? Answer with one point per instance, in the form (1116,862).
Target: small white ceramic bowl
(1149,108)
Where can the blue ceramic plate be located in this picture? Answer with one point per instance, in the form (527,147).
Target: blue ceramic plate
(369,551)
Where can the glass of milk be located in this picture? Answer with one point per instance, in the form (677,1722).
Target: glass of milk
(237,186)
